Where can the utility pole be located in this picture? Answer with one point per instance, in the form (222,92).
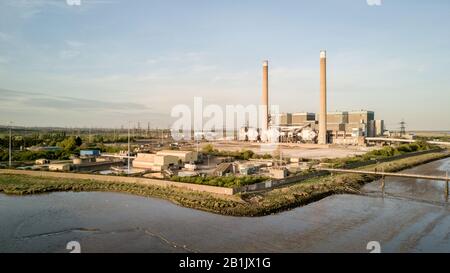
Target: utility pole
(139,129)
(10,143)
(129,148)
(402,128)
(281,157)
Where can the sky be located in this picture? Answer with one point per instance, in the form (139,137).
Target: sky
(106,62)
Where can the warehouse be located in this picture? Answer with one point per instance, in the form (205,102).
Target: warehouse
(184,156)
(155,162)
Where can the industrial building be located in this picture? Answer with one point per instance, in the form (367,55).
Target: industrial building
(379,127)
(300,119)
(89,153)
(164,160)
(304,127)
(224,168)
(94,163)
(79,164)
(278,172)
(155,162)
(339,127)
(183,156)
(60,167)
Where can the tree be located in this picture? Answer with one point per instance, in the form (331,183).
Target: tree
(207,149)
(68,144)
(78,141)
(247,154)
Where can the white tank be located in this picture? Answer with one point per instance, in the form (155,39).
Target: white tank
(242,133)
(252,134)
(308,134)
(273,135)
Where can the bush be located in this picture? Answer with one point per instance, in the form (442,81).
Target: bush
(33,155)
(242,155)
(208,149)
(223,181)
(379,154)
(404,148)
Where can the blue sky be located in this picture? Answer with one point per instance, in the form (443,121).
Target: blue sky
(109,61)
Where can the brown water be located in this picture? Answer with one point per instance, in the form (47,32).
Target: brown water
(412,217)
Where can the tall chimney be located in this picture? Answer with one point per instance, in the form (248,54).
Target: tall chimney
(323,98)
(265,95)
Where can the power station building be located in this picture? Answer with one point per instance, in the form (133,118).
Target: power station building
(340,127)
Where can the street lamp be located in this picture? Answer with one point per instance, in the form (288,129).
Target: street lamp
(129,147)
(10,143)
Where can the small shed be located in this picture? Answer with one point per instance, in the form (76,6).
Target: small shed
(89,153)
(223,169)
(60,167)
(42,161)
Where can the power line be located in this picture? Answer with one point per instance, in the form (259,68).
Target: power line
(402,128)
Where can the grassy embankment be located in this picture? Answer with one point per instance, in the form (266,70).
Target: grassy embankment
(379,154)
(249,204)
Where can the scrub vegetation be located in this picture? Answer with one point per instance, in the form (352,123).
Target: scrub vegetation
(240,155)
(224,181)
(379,154)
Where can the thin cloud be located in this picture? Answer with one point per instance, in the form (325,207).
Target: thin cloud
(72,50)
(31,109)
(29,8)
(72,43)
(43,101)
(69,54)
(5,37)
(3,60)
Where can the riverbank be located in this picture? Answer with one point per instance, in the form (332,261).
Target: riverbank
(247,204)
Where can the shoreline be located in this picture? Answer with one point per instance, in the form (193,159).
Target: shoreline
(246,204)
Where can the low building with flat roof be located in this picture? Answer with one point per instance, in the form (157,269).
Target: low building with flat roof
(184,156)
(154,162)
(89,153)
(42,161)
(278,172)
(60,167)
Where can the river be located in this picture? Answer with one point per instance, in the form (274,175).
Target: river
(412,217)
